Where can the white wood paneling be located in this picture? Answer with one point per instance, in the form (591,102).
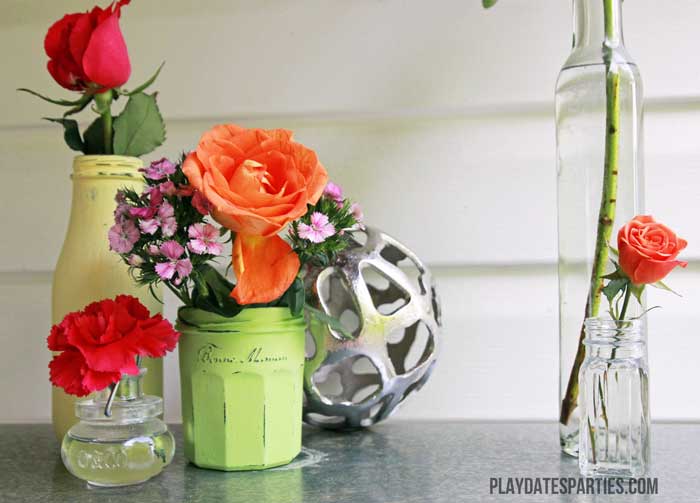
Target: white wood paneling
(437,117)
(272,57)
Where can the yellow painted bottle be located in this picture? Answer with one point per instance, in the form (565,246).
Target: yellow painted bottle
(87,270)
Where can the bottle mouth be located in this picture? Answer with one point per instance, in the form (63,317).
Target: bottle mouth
(606,330)
(107,166)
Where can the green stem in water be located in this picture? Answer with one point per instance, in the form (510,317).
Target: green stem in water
(626,302)
(104,108)
(606,215)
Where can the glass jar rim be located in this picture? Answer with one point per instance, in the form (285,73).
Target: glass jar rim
(251,320)
(609,330)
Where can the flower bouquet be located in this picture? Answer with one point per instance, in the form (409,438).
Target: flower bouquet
(242,346)
(88,56)
(120,440)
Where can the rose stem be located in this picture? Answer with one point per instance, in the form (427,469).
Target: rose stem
(104,108)
(606,215)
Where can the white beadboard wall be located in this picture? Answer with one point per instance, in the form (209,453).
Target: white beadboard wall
(437,116)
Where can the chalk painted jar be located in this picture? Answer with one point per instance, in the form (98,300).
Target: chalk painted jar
(87,271)
(241,383)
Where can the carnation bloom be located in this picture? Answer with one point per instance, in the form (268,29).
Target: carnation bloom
(175,268)
(99,344)
(319,229)
(159,169)
(123,236)
(204,239)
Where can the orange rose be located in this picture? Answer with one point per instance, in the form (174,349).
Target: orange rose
(648,250)
(257,181)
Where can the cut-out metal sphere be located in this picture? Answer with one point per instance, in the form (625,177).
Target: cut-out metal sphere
(384,296)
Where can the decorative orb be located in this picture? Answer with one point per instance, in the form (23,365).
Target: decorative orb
(384,297)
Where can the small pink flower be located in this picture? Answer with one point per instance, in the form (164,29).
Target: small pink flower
(167,188)
(356,211)
(201,203)
(123,236)
(204,239)
(122,213)
(135,260)
(319,230)
(153,250)
(175,269)
(164,220)
(334,192)
(145,213)
(159,169)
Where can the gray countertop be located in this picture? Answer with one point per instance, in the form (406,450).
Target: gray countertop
(393,462)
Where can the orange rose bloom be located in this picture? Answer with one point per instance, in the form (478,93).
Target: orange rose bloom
(257,181)
(648,250)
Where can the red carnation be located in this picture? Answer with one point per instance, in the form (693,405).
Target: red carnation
(88,49)
(100,343)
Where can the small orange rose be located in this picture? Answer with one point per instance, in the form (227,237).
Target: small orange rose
(257,181)
(648,250)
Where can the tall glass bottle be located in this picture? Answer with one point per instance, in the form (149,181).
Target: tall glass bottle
(600,180)
(87,271)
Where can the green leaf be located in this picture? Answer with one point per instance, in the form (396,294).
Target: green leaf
(637,291)
(663,286)
(296,297)
(613,288)
(63,103)
(617,274)
(71,133)
(139,129)
(213,292)
(145,85)
(93,138)
(80,106)
(488,3)
(333,323)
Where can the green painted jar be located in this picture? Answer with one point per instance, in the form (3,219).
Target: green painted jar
(242,387)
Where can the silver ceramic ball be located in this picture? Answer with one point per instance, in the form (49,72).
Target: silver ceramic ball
(385,298)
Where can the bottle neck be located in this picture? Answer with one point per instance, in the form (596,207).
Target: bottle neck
(597,23)
(610,339)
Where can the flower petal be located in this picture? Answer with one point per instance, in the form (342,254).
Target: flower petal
(265,268)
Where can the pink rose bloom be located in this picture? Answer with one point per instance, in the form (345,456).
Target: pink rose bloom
(319,229)
(204,239)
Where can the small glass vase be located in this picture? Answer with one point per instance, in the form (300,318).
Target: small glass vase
(128,447)
(614,400)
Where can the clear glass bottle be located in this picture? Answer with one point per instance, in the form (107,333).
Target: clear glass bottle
(600,179)
(614,400)
(128,447)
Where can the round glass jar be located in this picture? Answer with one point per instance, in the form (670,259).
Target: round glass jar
(129,446)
